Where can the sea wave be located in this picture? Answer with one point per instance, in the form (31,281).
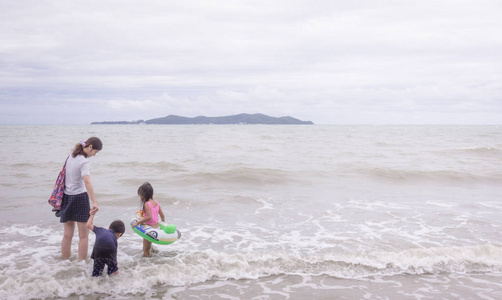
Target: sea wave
(244,175)
(270,176)
(467,154)
(480,150)
(393,174)
(241,173)
(40,275)
(155,166)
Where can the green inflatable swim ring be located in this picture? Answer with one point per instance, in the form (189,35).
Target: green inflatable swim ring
(165,234)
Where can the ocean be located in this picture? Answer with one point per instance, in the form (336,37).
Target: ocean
(265,211)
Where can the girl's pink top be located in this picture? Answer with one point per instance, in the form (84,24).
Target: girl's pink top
(154,211)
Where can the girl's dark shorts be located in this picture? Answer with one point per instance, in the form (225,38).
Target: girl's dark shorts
(75,208)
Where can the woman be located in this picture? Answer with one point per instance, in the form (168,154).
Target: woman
(78,189)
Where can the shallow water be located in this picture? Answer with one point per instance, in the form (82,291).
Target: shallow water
(266,212)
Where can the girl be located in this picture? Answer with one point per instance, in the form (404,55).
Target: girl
(151,212)
(78,189)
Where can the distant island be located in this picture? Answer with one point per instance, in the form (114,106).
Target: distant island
(234,119)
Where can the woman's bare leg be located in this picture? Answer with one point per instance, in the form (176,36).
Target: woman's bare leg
(83,240)
(69,229)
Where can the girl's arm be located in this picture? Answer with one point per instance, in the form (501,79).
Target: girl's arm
(90,192)
(147,215)
(161,213)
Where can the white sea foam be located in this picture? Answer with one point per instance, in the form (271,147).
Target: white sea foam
(39,273)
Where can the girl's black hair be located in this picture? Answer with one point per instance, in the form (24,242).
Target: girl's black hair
(145,192)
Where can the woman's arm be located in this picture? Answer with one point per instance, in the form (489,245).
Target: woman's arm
(90,192)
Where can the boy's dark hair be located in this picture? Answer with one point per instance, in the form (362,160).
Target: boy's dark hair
(117,226)
(145,192)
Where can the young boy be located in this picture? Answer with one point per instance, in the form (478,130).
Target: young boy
(105,247)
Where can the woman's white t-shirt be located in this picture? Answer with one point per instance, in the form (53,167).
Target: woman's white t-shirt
(76,168)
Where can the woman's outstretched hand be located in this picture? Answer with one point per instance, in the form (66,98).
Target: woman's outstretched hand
(94,209)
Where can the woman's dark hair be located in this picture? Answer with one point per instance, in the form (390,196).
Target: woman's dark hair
(145,192)
(117,226)
(79,148)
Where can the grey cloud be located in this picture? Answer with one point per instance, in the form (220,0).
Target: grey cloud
(332,62)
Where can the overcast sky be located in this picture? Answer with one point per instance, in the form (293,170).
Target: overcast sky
(330,62)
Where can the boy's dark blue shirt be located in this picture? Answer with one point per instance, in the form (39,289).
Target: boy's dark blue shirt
(105,245)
